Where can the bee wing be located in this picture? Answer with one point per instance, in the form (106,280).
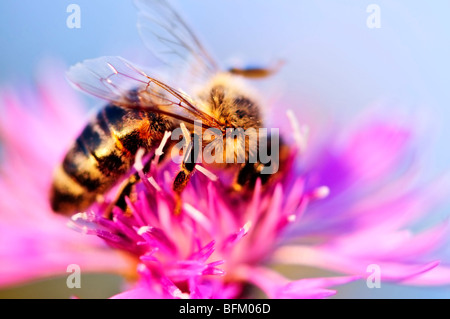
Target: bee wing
(168,36)
(120,82)
(109,77)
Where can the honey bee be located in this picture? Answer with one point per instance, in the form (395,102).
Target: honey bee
(142,108)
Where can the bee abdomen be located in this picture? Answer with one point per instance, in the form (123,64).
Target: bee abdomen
(102,154)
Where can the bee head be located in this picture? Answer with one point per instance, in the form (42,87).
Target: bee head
(230,102)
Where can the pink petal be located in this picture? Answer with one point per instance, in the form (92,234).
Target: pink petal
(277,286)
(333,260)
(437,277)
(29,253)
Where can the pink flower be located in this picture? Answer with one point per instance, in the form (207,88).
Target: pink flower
(343,204)
(35,242)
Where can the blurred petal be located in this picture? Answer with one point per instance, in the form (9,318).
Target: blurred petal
(277,286)
(30,252)
(328,258)
(35,128)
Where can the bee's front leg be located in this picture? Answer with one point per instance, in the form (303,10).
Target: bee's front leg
(187,170)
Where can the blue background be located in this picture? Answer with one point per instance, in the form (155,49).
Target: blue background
(332,57)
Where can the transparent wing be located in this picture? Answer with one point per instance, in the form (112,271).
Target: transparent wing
(168,36)
(120,82)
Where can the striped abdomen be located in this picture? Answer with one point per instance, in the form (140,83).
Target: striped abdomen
(102,154)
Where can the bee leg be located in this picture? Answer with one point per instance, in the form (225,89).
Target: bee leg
(126,188)
(187,170)
(249,173)
(256,72)
(179,184)
(246,177)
